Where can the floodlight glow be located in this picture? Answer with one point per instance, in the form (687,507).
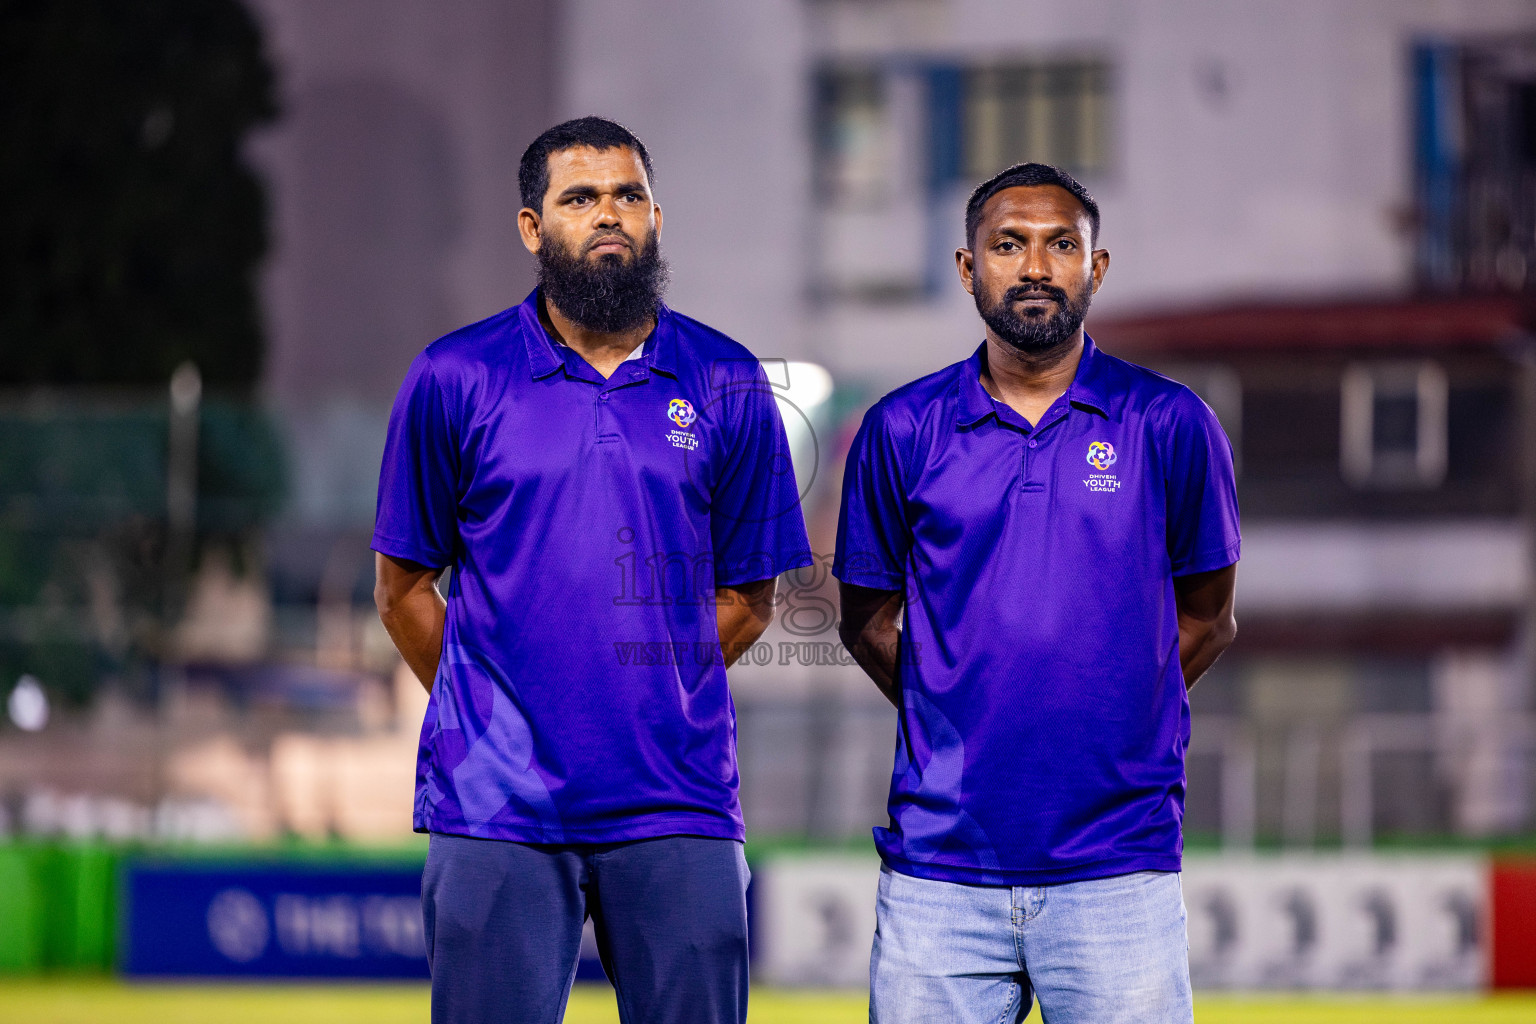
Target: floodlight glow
(809,384)
(28,704)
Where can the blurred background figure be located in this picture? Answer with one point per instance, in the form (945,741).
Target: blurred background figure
(226,228)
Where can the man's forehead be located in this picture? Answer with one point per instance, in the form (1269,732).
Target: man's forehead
(587,165)
(1036,203)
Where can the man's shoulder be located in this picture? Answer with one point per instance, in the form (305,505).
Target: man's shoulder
(913,418)
(906,408)
(1149,392)
(484,341)
(705,345)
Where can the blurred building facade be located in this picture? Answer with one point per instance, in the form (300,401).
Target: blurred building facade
(1384,681)
(1321,217)
(392,176)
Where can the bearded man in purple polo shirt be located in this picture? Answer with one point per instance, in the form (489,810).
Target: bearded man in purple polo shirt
(610,483)
(1037,552)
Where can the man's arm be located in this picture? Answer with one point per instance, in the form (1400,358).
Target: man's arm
(742,613)
(868,630)
(1207,625)
(412,611)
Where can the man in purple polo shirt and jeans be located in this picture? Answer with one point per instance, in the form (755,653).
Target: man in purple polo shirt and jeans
(1055,531)
(610,483)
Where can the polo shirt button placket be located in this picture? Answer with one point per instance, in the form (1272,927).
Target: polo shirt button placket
(606,432)
(1030,483)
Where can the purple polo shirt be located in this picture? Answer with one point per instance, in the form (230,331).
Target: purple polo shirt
(1044,717)
(581,696)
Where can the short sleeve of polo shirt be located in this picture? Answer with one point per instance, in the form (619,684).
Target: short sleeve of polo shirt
(416,517)
(1202,492)
(756,526)
(873,538)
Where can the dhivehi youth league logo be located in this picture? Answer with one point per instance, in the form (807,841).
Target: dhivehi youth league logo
(1101,455)
(680,411)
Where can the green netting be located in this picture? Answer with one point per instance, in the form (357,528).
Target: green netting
(83,511)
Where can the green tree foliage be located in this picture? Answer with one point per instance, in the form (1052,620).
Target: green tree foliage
(130,228)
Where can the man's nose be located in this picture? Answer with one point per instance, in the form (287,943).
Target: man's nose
(1034,266)
(607,212)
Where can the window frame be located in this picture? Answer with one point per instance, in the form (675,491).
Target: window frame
(1361,463)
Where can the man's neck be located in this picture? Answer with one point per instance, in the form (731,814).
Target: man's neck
(1030,382)
(603,350)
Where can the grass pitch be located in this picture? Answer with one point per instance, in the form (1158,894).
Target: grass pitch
(94,1001)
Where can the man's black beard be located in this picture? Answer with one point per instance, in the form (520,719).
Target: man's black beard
(607,295)
(1034,334)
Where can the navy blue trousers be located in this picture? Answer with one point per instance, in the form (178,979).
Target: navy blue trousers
(503,928)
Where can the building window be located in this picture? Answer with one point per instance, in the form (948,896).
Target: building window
(853,135)
(897,141)
(1051,112)
(996,114)
(1475,163)
(1393,425)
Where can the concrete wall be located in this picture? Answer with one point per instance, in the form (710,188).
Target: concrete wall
(393,178)
(392,174)
(717,93)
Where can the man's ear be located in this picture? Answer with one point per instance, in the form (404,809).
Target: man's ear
(529,229)
(965,263)
(1100,267)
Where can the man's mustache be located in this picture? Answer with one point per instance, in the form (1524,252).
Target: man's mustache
(605,238)
(1037,291)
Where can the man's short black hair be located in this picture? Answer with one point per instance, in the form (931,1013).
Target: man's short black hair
(1026,175)
(596,132)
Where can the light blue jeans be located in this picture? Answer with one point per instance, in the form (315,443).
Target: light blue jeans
(1104,951)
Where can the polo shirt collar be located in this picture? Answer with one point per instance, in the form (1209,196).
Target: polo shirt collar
(635,353)
(544,357)
(662,348)
(975,404)
(1089,387)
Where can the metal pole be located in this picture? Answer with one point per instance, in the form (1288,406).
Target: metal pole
(1528,513)
(186,395)
(1303,749)
(1356,810)
(1239,790)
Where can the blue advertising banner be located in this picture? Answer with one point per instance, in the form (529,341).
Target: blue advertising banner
(275,920)
(182,919)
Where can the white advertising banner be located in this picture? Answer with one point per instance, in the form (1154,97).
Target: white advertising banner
(1341,921)
(815,919)
(1292,921)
